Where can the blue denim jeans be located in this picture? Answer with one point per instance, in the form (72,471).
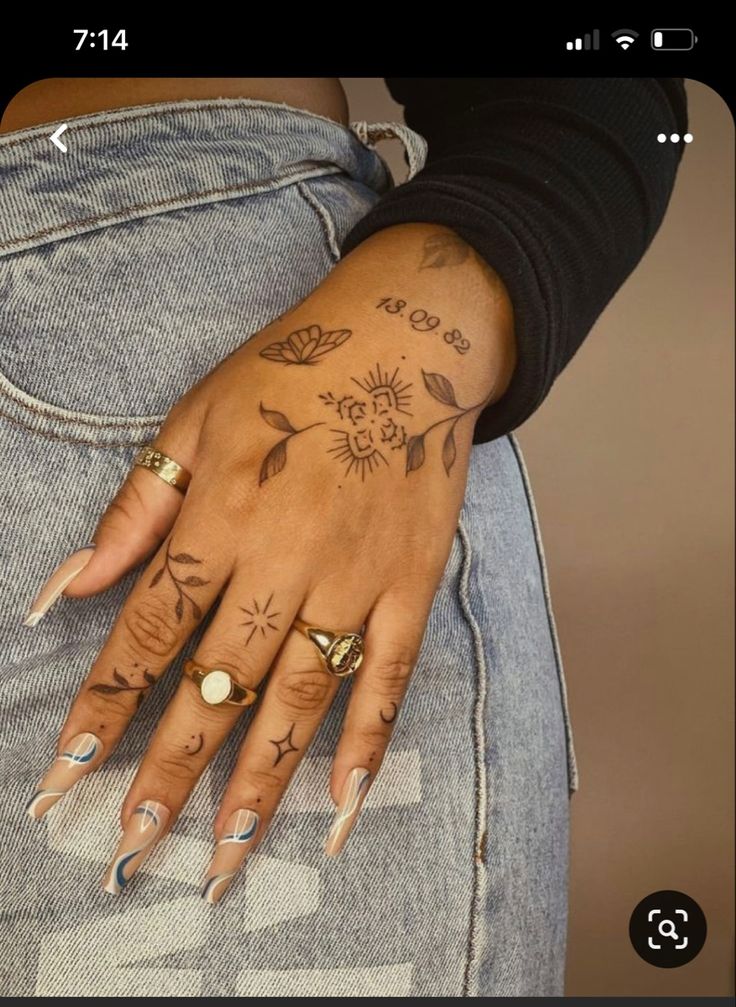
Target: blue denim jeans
(129,266)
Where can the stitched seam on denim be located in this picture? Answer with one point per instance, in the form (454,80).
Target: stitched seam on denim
(69,439)
(325,219)
(571,759)
(128,214)
(479,713)
(31,405)
(109,116)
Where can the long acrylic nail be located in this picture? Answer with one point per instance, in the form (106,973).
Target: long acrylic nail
(351,801)
(145,827)
(80,756)
(237,840)
(60,579)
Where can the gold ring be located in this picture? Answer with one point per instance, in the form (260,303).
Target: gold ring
(164,467)
(217,686)
(341,653)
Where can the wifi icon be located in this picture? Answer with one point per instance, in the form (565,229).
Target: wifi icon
(625,37)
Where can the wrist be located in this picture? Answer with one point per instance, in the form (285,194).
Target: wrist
(421,287)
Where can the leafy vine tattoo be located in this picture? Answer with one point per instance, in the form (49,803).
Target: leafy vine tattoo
(260,617)
(276,457)
(306,346)
(284,745)
(441,389)
(372,424)
(391,717)
(123,684)
(420,320)
(179,581)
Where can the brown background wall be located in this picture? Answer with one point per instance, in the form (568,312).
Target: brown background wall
(631,463)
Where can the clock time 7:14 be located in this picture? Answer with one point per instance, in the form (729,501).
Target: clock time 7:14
(87,37)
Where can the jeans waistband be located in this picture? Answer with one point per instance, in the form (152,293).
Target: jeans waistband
(149,159)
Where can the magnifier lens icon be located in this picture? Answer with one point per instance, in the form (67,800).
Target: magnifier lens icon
(670,931)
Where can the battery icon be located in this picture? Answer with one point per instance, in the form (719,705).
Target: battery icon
(669,39)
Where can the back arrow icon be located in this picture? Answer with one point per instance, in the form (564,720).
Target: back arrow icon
(55,138)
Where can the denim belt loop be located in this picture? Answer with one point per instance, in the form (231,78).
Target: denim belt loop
(414,144)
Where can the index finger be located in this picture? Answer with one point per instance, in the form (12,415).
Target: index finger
(166,604)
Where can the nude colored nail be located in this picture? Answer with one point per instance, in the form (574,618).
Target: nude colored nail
(351,801)
(60,579)
(237,840)
(146,826)
(80,756)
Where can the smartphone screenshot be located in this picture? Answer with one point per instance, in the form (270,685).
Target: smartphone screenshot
(366,512)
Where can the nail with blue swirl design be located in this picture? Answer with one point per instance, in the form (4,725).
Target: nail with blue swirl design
(237,840)
(145,827)
(79,756)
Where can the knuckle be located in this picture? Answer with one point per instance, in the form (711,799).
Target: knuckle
(151,627)
(373,735)
(303,690)
(394,669)
(263,779)
(107,704)
(171,767)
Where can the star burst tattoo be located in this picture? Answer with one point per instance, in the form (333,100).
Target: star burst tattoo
(260,617)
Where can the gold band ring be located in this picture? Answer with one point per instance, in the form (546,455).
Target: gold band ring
(149,457)
(217,686)
(341,653)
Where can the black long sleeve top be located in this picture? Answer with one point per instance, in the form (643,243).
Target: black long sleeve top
(560,184)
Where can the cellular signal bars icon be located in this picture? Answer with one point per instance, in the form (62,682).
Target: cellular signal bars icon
(586,42)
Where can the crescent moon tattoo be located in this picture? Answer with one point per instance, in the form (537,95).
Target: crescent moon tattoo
(392,716)
(199,747)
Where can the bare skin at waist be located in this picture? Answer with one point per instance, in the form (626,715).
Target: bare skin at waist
(58,98)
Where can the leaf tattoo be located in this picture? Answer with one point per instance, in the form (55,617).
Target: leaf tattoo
(306,346)
(180,581)
(449,449)
(277,420)
(444,249)
(122,684)
(440,388)
(275,460)
(415,452)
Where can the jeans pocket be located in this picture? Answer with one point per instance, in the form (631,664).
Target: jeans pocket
(111,327)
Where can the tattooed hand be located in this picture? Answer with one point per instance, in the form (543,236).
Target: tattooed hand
(328,457)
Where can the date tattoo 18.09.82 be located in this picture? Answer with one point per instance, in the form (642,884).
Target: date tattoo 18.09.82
(422,321)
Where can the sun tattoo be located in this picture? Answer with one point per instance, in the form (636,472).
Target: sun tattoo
(371,423)
(260,617)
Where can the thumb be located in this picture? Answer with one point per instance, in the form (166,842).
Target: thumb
(133,526)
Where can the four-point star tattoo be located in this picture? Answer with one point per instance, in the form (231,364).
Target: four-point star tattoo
(284,746)
(259,618)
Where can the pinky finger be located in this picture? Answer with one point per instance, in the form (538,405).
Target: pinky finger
(392,641)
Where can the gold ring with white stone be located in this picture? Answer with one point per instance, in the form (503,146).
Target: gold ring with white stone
(217,686)
(341,653)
